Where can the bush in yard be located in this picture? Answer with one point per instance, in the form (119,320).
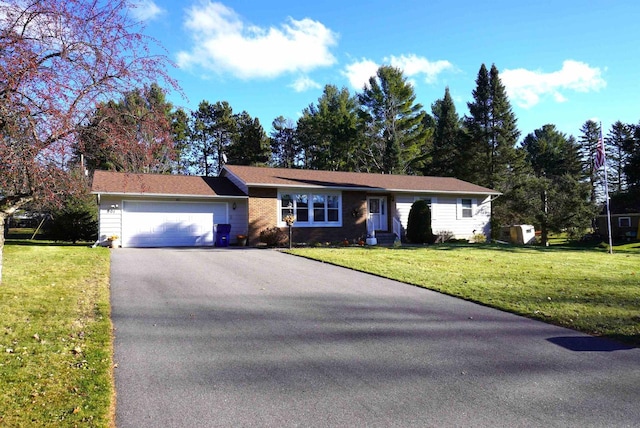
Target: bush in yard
(479,238)
(419,224)
(444,236)
(77,220)
(273,237)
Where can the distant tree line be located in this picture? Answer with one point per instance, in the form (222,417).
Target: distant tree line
(547,178)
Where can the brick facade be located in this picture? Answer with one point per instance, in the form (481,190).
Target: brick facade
(263,214)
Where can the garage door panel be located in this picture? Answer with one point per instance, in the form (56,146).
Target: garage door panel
(175,224)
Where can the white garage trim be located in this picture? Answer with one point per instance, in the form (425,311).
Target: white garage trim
(171,223)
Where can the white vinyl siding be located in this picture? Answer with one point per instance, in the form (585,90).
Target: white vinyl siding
(446,214)
(110,218)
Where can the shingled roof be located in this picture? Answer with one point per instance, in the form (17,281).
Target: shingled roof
(120,183)
(302,178)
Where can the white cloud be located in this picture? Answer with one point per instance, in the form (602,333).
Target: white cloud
(223,43)
(304,83)
(526,87)
(360,72)
(145,10)
(412,66)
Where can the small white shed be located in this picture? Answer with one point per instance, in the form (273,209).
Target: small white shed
(522,234)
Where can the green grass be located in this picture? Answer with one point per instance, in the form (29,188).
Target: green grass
(583,289)
(55,337)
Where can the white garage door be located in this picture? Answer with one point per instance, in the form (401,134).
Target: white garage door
(170,224)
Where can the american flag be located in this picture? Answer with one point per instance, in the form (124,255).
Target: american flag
(600,157)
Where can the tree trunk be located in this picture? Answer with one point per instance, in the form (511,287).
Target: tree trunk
(3,219)
(544,235)
(545,230)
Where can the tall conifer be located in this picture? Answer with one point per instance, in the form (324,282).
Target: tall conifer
(489,156)
(446,139)
(393,122)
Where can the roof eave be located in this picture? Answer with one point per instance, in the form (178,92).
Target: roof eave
(170,195)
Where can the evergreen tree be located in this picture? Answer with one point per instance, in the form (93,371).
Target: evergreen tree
(419,223)
(329,131)
(475,145)
(211,132)
(617,140)
(559,198)
(393,122)
(588,143)
(180,134)
(250,144)
(446,139)
(132,134)
(285,148)
(492,132)
(488,155)
(76,220)
(632,166)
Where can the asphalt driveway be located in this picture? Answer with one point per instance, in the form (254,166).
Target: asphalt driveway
(257,338)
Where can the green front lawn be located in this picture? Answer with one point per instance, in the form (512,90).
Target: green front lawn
(55,337)
(587,290)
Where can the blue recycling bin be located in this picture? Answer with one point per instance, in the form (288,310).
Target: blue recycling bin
(222,235)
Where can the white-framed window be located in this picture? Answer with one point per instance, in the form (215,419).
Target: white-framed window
(317,209)
(624,221)
(466,207)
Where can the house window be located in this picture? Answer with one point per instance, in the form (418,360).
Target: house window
(311,209)
(624,221)
(466,206)
(296,204)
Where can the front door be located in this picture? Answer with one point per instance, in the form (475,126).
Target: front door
(377,207)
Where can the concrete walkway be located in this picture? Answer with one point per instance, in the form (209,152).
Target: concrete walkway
(257,338)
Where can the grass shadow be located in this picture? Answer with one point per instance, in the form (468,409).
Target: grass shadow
(41,243)
(633,248)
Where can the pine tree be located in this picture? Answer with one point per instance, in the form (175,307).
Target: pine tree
(329,132)
(394,123)
(211,131)
(588,143)
(446,138)
(616,142)
(180,133)
(285,147)
(492,132)
(475,145)
(250,144)
(488,155)
(132,134)
(632,166)
(561,199)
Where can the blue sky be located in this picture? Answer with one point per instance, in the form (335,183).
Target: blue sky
(563,61)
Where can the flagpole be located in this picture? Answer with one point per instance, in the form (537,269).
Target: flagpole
(606,191)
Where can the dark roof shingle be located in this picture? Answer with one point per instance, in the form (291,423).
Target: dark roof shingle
(285,177)
(159,184)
